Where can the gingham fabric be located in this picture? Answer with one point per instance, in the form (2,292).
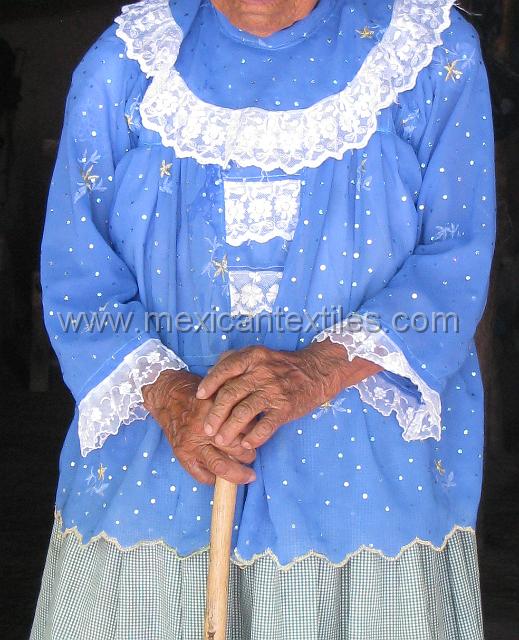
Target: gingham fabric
(101,592)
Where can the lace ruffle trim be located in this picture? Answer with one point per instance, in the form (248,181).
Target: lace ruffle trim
(241,562)
(419,417)
(117,400)
(288,140)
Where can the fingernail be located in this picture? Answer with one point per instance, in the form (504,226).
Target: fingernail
(246,445)
(209,429)
(200,393)
(252,477)
(219,439)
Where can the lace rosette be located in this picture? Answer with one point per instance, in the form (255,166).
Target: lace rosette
(287,140)
(117,400)
(419,414)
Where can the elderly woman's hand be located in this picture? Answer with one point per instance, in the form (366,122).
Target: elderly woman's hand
(172,401)
(280,385)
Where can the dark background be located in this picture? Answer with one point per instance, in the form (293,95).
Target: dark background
(40,44)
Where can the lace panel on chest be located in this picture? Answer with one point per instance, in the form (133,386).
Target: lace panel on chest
(253,292)
(261,211)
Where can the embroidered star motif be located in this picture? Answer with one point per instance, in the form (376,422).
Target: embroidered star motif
(453,73)
(327,405)
(165,169)
(101,472)
(88,178)
(366,32)
(439,467)
(221,267)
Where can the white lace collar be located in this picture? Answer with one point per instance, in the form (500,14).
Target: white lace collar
(287,140)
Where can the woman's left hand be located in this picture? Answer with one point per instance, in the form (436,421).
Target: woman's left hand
(280,385)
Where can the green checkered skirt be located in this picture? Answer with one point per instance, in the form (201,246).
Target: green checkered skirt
(101,592)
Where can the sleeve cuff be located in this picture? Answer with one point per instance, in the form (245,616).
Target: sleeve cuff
(416,405)
(117,400)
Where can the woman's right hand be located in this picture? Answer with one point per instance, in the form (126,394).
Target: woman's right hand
(172,401)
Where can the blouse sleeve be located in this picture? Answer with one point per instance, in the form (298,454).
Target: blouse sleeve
(443,284)
(95,319)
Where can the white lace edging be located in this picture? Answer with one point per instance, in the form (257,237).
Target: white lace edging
(117,400)
(288,140)
(268,553)
(420,418)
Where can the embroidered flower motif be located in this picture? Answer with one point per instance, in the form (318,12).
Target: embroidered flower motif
(449,482)
(409,123)
(447,231)
(445,479)
(217,268)
(335,406)
(166,185)
(365,33)
(89,180)
(453,72)
(438,465)
(95,482)
(165,169)
(133,116)
(455,61)
(363,182)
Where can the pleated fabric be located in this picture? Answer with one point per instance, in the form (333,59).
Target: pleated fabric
(99,591)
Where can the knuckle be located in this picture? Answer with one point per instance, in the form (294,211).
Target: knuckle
(219,466)
(227,394)
(260,352)
(226,354)
(242,412)
(265,429)
(248,456)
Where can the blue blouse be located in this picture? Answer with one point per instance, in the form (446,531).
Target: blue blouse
(209,182)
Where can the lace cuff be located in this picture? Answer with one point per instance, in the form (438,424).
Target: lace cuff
(418,411)
(118,398)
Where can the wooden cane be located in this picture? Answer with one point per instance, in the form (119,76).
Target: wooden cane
(224,505)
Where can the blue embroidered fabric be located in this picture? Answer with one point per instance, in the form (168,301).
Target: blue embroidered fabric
(399,226)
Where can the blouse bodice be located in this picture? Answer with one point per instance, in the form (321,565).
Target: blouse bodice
(213,191)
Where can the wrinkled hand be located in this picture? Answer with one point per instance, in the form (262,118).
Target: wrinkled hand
(277,386)
(172,401)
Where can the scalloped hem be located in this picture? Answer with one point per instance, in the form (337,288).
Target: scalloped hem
(151,594)
(239,561)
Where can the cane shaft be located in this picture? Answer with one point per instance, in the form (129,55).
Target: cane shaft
(224,505)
